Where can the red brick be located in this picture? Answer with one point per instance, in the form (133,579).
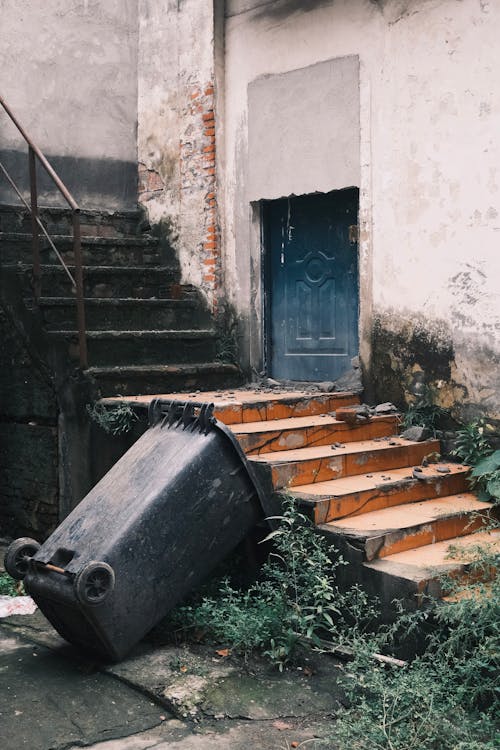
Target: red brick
(209,170)
(209,91)
(209,149)
(209,245)
(211,229)
(209,196)
(209,115)
(209,262)
(209,131)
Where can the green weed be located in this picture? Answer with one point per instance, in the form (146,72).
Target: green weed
(424,412)
(485,477)
(8,586)
(294,602)
(472,443)
(115,420)
(446,698)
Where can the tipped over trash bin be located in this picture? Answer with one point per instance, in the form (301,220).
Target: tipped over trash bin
(146,535)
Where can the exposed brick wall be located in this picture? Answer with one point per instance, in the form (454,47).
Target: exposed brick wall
(150,183)
(178,183)
(198,176)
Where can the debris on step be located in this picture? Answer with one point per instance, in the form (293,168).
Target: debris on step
(353,414)
(416,434)
(431,458)
(386,408)
(351,380)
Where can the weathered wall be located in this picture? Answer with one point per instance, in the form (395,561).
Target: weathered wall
(29,495)
(176,132)
(429,185)
(297,144)
(69,72)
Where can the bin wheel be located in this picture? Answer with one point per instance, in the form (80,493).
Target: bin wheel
(94,582)
(18,555)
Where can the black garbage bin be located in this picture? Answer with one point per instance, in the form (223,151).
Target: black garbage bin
(146,535)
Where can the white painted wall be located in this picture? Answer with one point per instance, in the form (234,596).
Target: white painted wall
(69,72)
(303,130)
(430,161)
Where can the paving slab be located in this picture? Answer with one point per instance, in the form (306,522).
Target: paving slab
(194,683)
(235,736)
(162,696)
(48,701)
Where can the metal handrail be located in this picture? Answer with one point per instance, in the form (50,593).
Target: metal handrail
(77,281)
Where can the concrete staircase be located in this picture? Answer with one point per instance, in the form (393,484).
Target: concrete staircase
(145,330)
(368,490)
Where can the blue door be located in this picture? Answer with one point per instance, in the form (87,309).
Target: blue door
(312,285)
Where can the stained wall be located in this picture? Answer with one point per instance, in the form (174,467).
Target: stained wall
(429,149)
(69,73)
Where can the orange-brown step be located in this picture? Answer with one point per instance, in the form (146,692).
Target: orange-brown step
(320,463)
(423,566)
(402,527)
(246,405)
(299,432)
(350,496)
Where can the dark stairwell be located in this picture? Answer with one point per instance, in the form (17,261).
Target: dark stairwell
(146,332)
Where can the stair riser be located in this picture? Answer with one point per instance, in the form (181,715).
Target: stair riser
(437,531)
(293,474)
(401,540)
(303,407)
(127,317)
(427,587)
(106,353)
(389,496)
(122,283)
(94,254)
(302,437)
(168,382)
(59,221)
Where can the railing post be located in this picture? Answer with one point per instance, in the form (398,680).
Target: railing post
(37,275)
(80,307)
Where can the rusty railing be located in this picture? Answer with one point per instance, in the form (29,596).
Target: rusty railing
(34,153)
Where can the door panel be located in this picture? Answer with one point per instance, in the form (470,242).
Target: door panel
(311,285)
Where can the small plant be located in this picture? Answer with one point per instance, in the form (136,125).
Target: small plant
(485,477)
(424,412)
(445,699)
(472,443)
(227,335)
(10,587)
(294,602)
(115,420)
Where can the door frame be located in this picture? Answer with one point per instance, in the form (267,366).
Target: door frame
(265,277)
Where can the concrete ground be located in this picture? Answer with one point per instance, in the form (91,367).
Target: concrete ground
(162,696)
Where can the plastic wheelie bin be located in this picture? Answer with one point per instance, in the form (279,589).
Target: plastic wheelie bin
(146,535)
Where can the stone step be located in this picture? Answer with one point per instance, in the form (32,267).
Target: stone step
(58,220)
(96,251)
(384,532)
(320,463)
(161,282)
(351,496)
(299,432)
(243,405)
(159,347)
(127,381)
(418,572)
(59,313)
